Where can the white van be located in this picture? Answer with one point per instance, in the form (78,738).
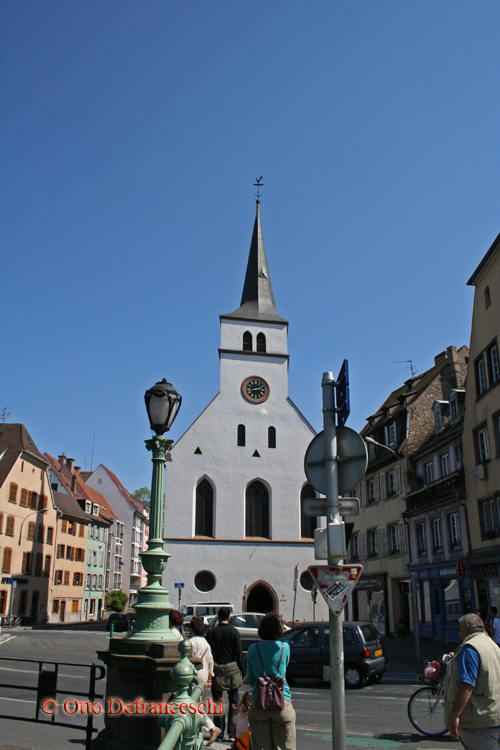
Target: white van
(206,610)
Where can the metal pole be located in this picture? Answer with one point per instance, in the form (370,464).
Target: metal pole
(333,519)
(415,622)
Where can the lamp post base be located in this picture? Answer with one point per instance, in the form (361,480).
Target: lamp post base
(137,674)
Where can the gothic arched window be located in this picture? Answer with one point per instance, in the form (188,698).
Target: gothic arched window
(257,510)
(307,523)
(204,514)
(261,342)
(247,341)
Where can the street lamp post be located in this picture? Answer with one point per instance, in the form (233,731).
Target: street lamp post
(153,605)
(35,512)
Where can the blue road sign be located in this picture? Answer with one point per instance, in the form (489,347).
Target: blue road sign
(178,585)
(343,406)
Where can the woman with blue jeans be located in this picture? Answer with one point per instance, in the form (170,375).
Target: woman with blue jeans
(271,729)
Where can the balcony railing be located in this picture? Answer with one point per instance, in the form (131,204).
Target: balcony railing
(446,488)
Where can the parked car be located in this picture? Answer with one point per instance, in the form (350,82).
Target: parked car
(206,610)
(246,623)
(364,653)
(123,621)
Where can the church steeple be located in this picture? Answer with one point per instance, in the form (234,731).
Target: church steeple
(257,300)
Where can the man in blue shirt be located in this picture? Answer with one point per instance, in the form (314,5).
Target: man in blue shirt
(472,693)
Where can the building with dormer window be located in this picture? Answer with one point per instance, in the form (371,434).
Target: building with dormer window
(409,417)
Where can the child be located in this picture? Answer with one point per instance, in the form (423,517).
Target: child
(241,726)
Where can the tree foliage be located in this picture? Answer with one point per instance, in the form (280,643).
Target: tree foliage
(115,600)
(144,494)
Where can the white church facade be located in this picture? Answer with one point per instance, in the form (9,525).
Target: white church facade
(235,479)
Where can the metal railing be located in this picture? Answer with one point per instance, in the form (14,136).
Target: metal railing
(47,691)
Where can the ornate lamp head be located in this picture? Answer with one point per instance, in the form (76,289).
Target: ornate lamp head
(162,403)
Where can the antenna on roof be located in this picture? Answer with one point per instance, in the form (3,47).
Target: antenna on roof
(410,361)
(92,459)
(258,185)
(5,415)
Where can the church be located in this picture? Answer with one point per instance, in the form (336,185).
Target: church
(235,479)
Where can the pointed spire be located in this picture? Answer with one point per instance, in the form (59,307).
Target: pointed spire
(257,300)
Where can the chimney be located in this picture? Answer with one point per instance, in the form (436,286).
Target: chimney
(77,470)
(62,459)
(70,462)
(73,483)
(440,358)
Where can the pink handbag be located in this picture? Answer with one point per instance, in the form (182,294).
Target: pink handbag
(270,695)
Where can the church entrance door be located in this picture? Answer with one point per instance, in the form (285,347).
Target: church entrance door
(262,599)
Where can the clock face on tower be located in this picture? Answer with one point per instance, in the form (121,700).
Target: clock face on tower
(255,389)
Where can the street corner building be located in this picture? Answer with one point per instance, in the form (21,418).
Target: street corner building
(235,480)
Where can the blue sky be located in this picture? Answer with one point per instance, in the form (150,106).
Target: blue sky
(131,134)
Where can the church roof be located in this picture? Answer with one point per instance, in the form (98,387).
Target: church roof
(257,301)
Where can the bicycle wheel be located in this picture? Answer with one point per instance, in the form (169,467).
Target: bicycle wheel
(426,711)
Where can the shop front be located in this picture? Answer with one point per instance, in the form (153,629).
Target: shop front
(442,598)
(486,576)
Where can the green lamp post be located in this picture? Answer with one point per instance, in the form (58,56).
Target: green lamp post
(153,605)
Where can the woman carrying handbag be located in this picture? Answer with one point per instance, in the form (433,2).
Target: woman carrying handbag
(271,715)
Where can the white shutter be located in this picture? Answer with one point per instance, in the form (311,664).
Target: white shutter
(382,486)
(362,545)
(397,472)
(382,541)
(363,494)
(402,537)
(375,488)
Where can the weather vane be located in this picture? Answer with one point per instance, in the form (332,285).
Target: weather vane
(258,185)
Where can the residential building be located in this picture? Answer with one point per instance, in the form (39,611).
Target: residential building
(128,535)
(27,526)
(482,430)
(69,573)
(98,517)
(234,527)
(436,514)
(379,539)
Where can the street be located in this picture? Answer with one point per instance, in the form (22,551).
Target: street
(376,715)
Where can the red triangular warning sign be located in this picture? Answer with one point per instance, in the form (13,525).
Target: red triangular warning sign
(336,583)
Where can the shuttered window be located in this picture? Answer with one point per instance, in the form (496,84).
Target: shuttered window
(24,498)
(271,437)
(10,526)
(13,493)
(241,434)
(261,343)
(7,560)
(247,341)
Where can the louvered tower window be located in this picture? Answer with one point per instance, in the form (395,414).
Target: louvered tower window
(247,341)
(257,510)
(204,518)
(307,523)
(271,437)
(261,342)
(241,434)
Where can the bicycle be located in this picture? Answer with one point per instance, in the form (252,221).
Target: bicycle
(426,705)
(11,621)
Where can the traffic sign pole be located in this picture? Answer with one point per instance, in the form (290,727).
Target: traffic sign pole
(334,524)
